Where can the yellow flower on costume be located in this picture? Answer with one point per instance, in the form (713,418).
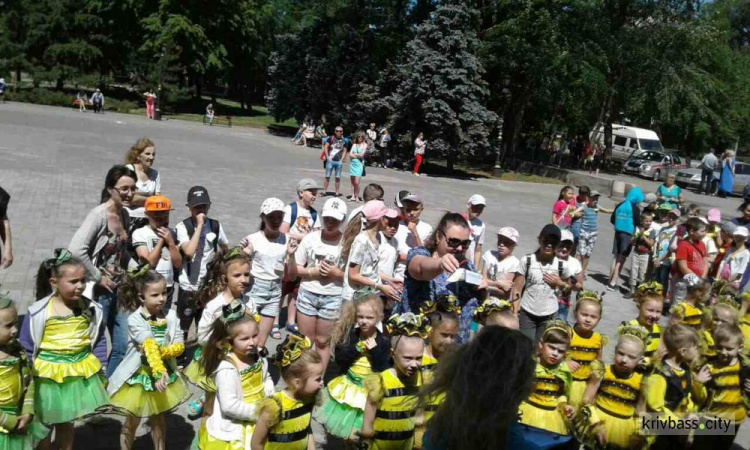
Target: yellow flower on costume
(153,356)
(171,351)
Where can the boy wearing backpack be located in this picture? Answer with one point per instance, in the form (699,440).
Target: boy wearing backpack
(300,218)
(199,238)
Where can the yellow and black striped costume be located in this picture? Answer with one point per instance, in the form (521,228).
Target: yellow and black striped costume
(745,327)
(691,315)
(429,364)
(291,429)
(724,393)
(549,393)
(394,418)
(615,407)
(584,351)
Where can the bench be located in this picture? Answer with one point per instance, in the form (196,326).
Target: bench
(282,130)
(218,120)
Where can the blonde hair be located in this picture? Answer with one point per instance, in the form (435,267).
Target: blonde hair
(680,336)
(348,318)
(300,368)
(136,150)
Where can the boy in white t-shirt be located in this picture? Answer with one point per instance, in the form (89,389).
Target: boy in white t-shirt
(500,266)
(412,232)
(574,271)
(199,238)
(300,218)
(156,245)
(475,208)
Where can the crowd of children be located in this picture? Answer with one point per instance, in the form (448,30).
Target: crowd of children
(343,278)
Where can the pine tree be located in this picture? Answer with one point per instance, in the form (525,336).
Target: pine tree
(440,90)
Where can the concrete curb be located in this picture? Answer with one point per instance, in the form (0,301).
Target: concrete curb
(606,186)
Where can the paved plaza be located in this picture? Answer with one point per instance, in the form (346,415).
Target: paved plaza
(53,162)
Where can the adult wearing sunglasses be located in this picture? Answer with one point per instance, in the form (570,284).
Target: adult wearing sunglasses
(537,281)
(428,268)
(101,243)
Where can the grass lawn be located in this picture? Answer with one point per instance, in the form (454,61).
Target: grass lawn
(258,117)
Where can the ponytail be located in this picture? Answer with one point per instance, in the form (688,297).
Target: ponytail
(353,228)
(52,268)
(133,285)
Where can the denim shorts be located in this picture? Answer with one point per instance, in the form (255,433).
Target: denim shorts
(333,166)
(266,294)
(326,307)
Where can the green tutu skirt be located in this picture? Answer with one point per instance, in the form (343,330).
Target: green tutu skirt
(35,433)
(74,398)
(339,419)
(137,400)
(194,373)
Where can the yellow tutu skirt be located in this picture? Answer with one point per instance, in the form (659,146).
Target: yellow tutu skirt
(347,392)
(134,399)
(194,373)
(207,442)
(620,432)
(577,389)
(550,420)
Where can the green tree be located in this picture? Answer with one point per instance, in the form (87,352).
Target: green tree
(440,90)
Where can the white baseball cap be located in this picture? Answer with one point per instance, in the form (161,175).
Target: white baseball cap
(335,208)
(477,199)
(270,205)
(741,231)
(509,232)
(566,235)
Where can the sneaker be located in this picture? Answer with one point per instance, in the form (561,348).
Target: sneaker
(627,295)
(611,287)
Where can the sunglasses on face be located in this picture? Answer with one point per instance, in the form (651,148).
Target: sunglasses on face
(456,242)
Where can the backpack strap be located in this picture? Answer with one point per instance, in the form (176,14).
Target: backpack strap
(314,215)
(215,228)
(528,266)
(293,218)
(560,268)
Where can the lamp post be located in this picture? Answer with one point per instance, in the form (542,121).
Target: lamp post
(498,170)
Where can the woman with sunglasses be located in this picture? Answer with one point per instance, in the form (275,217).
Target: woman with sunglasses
(101,243)
(540,277)
(429,267)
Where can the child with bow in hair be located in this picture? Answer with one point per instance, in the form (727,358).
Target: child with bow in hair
(147,383)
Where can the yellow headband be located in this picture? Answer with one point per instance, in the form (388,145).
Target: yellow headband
(444,303)
(408,324)
(492,304)
(557,324)
(291,349)
(635,331)
(651,288)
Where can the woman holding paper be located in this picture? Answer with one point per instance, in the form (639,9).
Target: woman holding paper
(440,268)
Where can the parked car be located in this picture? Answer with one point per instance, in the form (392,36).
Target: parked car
(691,178)
(654,164)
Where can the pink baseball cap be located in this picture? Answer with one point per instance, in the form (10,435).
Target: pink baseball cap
(713,215)
(509,232)
(391,213)
(374,210)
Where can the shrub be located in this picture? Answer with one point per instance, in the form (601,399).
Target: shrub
(41,96)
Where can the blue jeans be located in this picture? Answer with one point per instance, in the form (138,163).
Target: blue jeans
(116,320)
(562,312)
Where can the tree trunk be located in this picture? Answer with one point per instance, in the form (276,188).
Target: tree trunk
(17,87)
(59,84)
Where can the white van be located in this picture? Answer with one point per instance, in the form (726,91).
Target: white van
(629,141)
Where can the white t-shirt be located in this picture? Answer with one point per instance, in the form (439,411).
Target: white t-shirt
(406,241)
(710,244)
(737,263)
(538,297)
(212,311)
(387,254)
(574,266)
(363,253)
(268,256)
(310,253)
(497,270)
(147,237)
(204,253)
(477,236)
(304,219)
(147,188)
